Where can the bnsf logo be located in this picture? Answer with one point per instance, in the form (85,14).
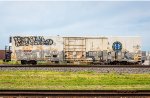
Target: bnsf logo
(117,46)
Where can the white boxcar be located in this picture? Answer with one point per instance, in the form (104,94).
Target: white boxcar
(37,48)
(58,49)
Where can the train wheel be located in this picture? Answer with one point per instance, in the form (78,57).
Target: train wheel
(23,62)
(33,62)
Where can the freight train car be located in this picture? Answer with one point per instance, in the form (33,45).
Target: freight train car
(102,50)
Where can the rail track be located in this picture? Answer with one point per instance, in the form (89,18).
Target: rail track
(135,69)
(119,66)
(77,93)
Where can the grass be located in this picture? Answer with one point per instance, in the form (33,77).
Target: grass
(51,80)
(10,62)
(13,62)
(1,61)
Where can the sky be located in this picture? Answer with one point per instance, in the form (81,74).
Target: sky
(75,18)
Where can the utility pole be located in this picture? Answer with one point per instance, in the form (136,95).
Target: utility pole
(149,56)
(5,53)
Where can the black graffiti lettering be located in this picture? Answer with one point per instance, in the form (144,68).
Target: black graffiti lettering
(48,42)
(25,41)
(17,40)
(32,40)
(38,40)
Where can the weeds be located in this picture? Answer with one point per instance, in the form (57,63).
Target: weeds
(51,80)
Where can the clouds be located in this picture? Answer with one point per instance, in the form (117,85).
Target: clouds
(75,18)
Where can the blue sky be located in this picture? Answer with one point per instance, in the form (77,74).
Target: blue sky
(75,18)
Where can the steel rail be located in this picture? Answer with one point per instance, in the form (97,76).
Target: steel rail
(115,66)
(76,92)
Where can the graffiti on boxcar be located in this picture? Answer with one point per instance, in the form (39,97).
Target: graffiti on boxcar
(32,40)
(37,54)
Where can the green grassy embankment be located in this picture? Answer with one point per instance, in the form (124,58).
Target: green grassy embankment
(42,63)
(10,62)
(48,80)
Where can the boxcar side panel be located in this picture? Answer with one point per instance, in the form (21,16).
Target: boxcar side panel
(131,44)
(74,48)
(96,44)
(36,47)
